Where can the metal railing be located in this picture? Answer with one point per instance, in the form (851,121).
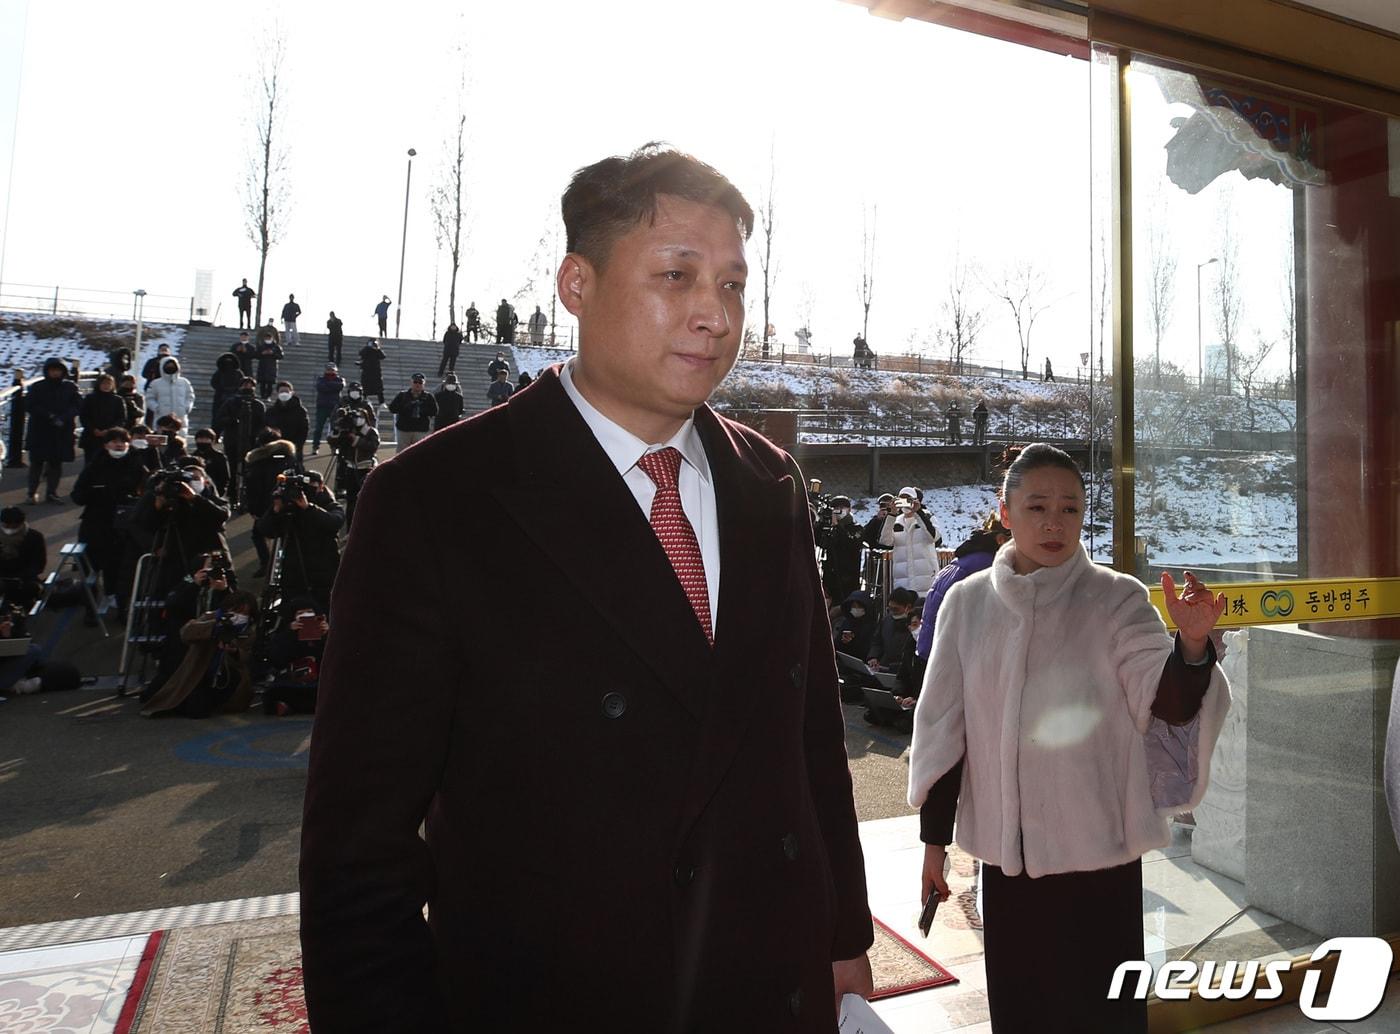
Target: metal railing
(58,300)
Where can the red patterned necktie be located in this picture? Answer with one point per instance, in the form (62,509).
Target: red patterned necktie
(677,536)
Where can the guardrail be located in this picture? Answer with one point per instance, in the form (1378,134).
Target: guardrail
(58,300)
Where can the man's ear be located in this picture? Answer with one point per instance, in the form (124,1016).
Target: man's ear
(575,280)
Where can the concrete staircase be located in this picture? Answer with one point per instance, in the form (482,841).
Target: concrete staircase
(306,361)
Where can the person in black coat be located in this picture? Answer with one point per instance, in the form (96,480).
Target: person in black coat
(102,410)
(288,416)
(119,362)
(307,523)
(371,364)
(449,403)
(151,370)
(17,414)
(108,489)
(854,629)
(53,405)
(335,338)
(839,539)
(451,348)
(269,458)
(215,462)
(23,558)
(177,524)
(269,351)
(247,353)
(241,422)
(133,400)
(227,376)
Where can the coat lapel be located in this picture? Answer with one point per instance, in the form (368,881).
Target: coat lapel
(608,552)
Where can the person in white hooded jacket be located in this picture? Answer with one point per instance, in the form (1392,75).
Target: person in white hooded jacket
(1062,726)
(170,393)
(913,540)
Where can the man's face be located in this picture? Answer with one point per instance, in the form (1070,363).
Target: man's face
(661,323)
(417,388)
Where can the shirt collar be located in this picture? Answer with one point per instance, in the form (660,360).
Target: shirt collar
(623,447)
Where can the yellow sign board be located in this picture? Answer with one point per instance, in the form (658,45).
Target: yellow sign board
(1287,603)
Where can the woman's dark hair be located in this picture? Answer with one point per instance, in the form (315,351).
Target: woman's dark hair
(1021,459)
(609,198)
(242,601)
(116,434)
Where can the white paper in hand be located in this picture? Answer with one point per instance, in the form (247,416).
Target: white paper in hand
(858,1018)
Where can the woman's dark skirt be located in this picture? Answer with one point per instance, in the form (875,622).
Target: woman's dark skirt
(1052,945)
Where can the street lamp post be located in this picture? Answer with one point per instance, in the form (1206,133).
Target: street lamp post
(403,248)
(1200,353)
(140,294)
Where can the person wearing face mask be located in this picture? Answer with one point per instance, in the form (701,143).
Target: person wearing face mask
(269,352)
(287,414)
(53,405)
(176,520)
(150,371)
(107,490)
(328,388)
(215,462)
(241,422)
(170,393)
(227,376)
(913,539)
(23,558)
(839,539)
(1062,726)
(247,353)
(133,400)
(355,399)
(892,632)
(146,454)
(102,410)
(307,522)
(214,677)
(355,444)
(174,448)
(371,364)
(449,403)
(853,630)
(203,590)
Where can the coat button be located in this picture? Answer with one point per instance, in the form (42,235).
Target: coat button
(614,705)
(795,1002)
(790,847)
(683,875)
(796,675)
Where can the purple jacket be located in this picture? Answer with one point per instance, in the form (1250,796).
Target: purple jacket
(973,555)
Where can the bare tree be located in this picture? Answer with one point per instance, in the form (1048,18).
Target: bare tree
(1161,283)
(1022,287)
(868,220)
(446,202)
(1247,364)
(1101,303)
(767,222)
(265,189)
(1290,313)
(962,318)
(1227,299)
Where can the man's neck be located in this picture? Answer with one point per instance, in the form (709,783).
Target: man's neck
(652,428)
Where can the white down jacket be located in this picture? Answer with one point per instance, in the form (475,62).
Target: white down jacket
(1045,683)
(914,550)
(170,393)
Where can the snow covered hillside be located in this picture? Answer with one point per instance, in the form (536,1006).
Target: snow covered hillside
(27,340)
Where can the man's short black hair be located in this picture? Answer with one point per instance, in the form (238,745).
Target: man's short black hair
(609,198)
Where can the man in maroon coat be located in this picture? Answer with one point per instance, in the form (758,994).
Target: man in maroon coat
(668,842)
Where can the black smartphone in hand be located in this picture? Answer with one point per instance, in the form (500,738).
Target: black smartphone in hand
(926,916)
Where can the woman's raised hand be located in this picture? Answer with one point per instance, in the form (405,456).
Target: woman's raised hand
(1194,612)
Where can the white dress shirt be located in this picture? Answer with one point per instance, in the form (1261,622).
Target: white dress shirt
(697,488)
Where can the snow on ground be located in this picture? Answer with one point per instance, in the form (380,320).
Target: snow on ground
(531,360)
(27,340)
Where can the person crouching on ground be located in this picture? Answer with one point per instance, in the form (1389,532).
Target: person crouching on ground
(214,676)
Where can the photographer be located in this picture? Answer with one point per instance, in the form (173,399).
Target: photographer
(287,415)
(147,454)
(173,451)
(355,399)
(199,591)
(214,676)
(413,411)
(839,538)
(23,558)
(177,519)
(449,403)
(108,489)
(215,462)
(241,421)
(272,457)
(914,540)
(294,658)
(355,443)
(307,520)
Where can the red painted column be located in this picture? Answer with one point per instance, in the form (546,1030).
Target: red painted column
(1353,372)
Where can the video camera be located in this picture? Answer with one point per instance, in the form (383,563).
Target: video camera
(219,567)
(291,484)
(225,631)
(166,482)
